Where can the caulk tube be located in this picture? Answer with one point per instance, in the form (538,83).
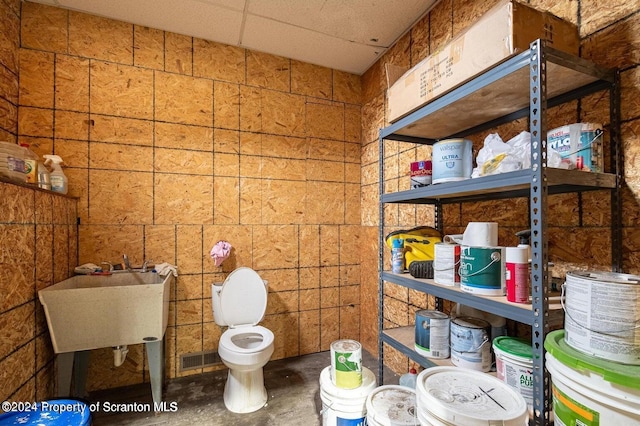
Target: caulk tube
(59,182)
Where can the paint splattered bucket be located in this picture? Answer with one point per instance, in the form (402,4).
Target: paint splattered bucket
(482,270)
(446,264)
(602,315)
(452,160)
(450,396)
(345,407)
(471,343)
(432,334)
(346,364)
(392,405)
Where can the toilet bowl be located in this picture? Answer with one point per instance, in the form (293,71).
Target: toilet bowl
(245,347)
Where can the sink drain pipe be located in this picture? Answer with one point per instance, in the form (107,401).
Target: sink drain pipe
(119,355)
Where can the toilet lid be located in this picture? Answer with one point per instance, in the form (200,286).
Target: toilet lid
(243,298)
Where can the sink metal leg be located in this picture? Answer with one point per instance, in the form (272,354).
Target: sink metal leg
(155,356)
(76,363)
(64,364)
(80,369)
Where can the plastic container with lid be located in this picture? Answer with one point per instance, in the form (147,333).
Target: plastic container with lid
(409,379)
(589,390)
(12,161)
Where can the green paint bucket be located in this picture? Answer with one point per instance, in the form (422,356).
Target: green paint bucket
(482,270)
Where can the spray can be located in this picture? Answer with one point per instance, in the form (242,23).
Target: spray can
(397,256)
(517,274)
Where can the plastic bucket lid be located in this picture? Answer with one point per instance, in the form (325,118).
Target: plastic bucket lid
(459,396)
(518,350)
(391,405)
(67,412)
(618,374)
(342,395)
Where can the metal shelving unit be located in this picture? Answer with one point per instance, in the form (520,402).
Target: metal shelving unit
(524,85)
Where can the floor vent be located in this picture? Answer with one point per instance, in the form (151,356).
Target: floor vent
(196,360)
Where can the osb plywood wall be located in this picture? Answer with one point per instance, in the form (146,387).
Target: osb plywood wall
(578,225)
(173,143)
(38,248)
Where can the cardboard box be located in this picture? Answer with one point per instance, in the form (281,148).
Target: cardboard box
(507,28)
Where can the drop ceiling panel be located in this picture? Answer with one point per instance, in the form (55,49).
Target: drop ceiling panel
(290,41)
(347,35)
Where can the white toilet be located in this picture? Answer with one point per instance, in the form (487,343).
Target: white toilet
(245,347)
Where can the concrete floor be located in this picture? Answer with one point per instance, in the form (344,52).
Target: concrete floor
(292,385)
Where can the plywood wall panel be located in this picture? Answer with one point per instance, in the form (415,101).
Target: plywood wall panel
(178,55)
(101,38)
(72,83)
(183,199)
(615,46)
(185,100)
(148,47)
(226,105)
(311,80)
(282,113)
(268,71)
(121,90)
(218,61)
(36,78)
(42,27)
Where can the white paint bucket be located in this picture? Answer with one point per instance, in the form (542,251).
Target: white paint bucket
(470,343)
(514,365)
(482,270)
(392,405)
(432,334)
(590,391)
(452,160)
(450,396)
(345,406)
(602,313)
(446,264)
(346,364)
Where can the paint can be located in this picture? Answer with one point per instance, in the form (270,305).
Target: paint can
(345,407)
(450,396)
(602,315)
(471,343)
(452,160)
(517,274)
(421,173)
(579,145)
(432,334)
(514,365)
(482,270)
(446,264)
(346,364)
(588,390)
(391,405)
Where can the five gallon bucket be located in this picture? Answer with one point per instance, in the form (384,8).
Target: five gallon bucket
(590,391)
(452,160)
(450,396)
(345,407)
(514,365)
(602,315)
(346,364)
(392,405)
(470,343)
(68,412)
(432,334)
(482,270)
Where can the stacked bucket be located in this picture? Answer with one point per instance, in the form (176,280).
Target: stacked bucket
(594,362)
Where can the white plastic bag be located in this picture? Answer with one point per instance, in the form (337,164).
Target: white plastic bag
(497,156)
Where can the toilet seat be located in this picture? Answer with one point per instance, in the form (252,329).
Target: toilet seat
(243,298)
(228,337)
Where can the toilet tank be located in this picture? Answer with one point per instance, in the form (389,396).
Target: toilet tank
(216,288)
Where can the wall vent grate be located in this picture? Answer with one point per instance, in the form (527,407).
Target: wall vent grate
(194,360)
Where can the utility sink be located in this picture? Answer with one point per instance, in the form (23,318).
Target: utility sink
(95,311)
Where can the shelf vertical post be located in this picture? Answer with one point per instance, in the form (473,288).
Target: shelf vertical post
(380,259)
(539,244)
(617,167)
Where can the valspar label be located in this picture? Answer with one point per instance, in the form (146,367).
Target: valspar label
(452,160)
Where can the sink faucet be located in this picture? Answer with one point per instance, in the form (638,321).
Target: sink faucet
(145,265)
(127,265)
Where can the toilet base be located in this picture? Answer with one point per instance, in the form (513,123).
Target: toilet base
(244,391)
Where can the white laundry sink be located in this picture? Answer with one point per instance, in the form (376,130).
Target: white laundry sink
(95,311)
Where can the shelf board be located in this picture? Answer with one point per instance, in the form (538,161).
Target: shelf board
(495,304)
(499,94)
(503,185)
